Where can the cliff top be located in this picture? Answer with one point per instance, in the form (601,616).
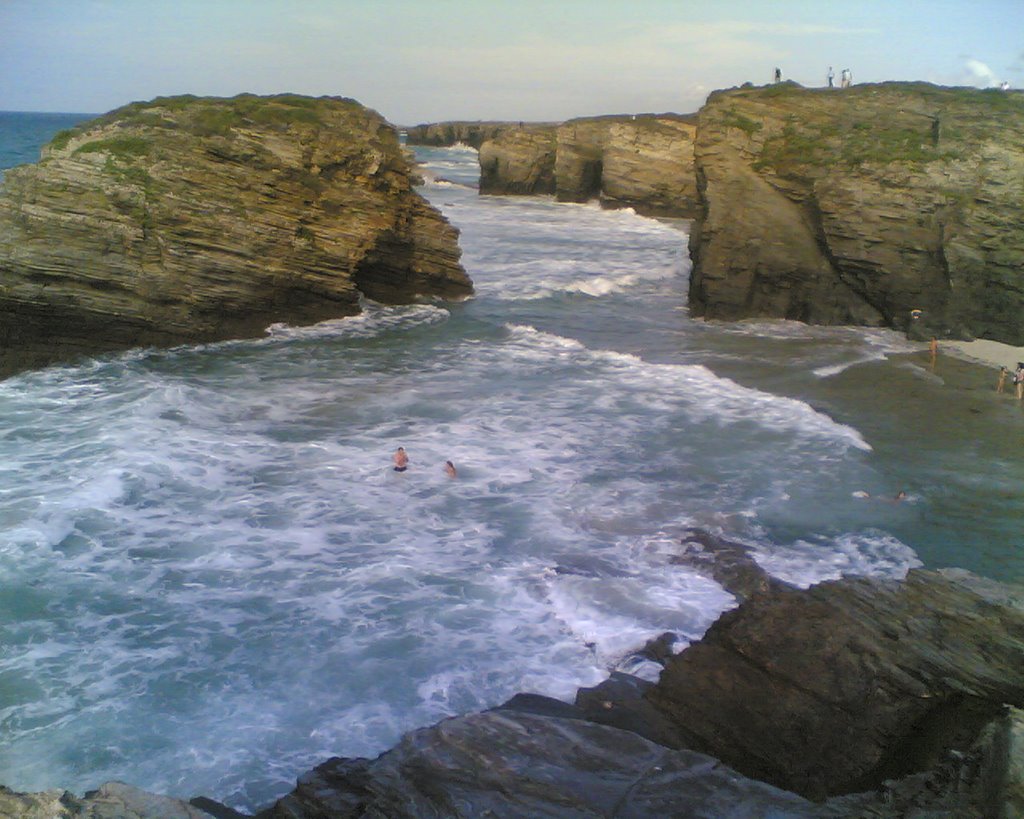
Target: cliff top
(873,123)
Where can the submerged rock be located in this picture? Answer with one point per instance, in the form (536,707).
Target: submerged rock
(191,219)
(861,206)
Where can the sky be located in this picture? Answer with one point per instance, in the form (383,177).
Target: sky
(537,60)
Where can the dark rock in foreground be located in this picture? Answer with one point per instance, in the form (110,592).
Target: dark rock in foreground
(190,219)
(837,688)
(513,764)
(861,205)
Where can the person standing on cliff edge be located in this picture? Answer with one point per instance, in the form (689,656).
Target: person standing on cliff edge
(778,75)
(831,77)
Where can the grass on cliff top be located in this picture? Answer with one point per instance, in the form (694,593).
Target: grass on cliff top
(210,116)
(120,147)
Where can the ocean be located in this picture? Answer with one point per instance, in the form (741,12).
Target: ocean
(211,579)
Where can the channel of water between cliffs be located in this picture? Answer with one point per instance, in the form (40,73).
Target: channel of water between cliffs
(214,580)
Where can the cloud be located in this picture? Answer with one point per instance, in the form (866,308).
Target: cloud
(980,74)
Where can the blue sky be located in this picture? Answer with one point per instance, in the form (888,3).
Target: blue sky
(427,60)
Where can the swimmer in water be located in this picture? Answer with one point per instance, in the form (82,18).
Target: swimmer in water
(401,460)
(449,469)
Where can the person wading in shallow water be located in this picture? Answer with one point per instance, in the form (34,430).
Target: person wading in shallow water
(401,460)
(1003,372)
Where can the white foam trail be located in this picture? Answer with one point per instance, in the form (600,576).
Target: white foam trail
(708,397)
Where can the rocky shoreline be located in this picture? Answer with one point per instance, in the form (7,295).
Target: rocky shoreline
(894,204)
(856,697)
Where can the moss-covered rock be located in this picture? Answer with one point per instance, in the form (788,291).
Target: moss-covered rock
(187,219)
(861,205)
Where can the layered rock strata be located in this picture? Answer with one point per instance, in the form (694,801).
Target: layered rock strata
(644,162)
(887,694)
(862,206)
(845,685)
(189,220)
(519,162)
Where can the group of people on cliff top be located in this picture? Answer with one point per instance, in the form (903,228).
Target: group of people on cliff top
(845,77)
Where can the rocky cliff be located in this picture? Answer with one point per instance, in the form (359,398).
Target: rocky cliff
(887,696)
(519,161)
(644,162)
(473,134)
(861,205)
(188,219)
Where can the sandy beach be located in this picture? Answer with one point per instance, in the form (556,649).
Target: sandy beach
(992,353)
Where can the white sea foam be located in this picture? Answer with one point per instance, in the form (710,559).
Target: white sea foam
(805,563)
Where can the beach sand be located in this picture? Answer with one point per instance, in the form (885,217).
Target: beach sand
(992,353)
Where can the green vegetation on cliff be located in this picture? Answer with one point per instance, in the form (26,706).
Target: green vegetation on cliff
(859,205)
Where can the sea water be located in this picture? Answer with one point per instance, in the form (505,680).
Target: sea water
(212,579)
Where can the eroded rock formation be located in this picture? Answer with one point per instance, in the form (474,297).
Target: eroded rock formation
(194,219)
(862,205)
(519,161)
(644,162)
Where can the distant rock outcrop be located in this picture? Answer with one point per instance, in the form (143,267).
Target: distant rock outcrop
(644,162)
(193,219)
(861,205)
(519,161)
(473,134)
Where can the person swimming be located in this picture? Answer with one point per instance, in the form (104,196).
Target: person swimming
(401,460)
(449,469)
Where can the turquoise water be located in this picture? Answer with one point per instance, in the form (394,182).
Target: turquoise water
(212,579)
(22,134)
